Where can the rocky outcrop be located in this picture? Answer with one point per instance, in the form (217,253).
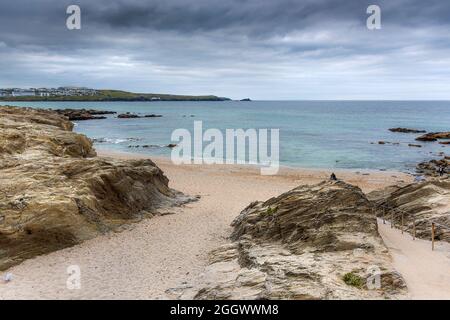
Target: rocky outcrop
(434,136)
(431,168)
(313,242)
(83,114)
(420,203)
(55,192)
(406,130)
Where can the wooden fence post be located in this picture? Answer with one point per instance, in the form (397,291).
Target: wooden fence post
(392,219)
(402,222)
(432,236)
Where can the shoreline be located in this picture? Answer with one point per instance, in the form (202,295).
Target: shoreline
(367,179)
(152,258)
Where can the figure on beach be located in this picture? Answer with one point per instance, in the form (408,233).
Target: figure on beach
(333,177)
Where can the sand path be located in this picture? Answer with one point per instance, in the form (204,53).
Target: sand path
(426,272)
(166,251)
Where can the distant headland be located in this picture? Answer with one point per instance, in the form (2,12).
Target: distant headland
(87,94)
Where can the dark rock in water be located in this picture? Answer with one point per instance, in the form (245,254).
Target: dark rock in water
(301,245)
(406,130)
(444,142)
(83,114)
(246,100)
(171,145)
(415,145)
(153,116)
(434,136)
(128,116)
(382,142)
(134,116)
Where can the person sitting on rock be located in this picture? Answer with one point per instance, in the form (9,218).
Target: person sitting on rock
(333,177)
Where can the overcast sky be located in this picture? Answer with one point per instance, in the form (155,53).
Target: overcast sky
(263,49)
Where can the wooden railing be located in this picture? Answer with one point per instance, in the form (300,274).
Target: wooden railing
(395,212)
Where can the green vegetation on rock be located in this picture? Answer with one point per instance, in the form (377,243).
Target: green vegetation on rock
(353,279)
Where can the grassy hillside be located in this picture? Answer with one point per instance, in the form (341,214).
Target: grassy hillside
(117,95)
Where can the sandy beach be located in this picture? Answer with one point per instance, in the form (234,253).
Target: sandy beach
(151,257)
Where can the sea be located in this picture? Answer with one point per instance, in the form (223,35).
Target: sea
(313,134)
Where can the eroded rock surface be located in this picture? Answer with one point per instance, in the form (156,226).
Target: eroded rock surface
(55,192)
(302,245)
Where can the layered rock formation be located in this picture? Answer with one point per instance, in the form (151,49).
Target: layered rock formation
(55,193)
(313,242)
(421,204)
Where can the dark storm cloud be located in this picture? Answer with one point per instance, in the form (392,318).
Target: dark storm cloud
(229,47)
(42,20)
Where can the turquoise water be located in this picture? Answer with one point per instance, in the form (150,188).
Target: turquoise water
(313,134)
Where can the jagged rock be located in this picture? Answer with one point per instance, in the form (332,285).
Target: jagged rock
(83,114)
(406,130)
(421,203)
(300,245)
(434,136)
(55,192)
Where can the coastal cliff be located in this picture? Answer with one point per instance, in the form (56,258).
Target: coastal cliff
(55,192)
(313,242)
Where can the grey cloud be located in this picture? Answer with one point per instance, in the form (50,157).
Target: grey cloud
(290,48)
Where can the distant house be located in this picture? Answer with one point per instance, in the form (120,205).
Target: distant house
(48,92)
(156,99)
(23,93)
